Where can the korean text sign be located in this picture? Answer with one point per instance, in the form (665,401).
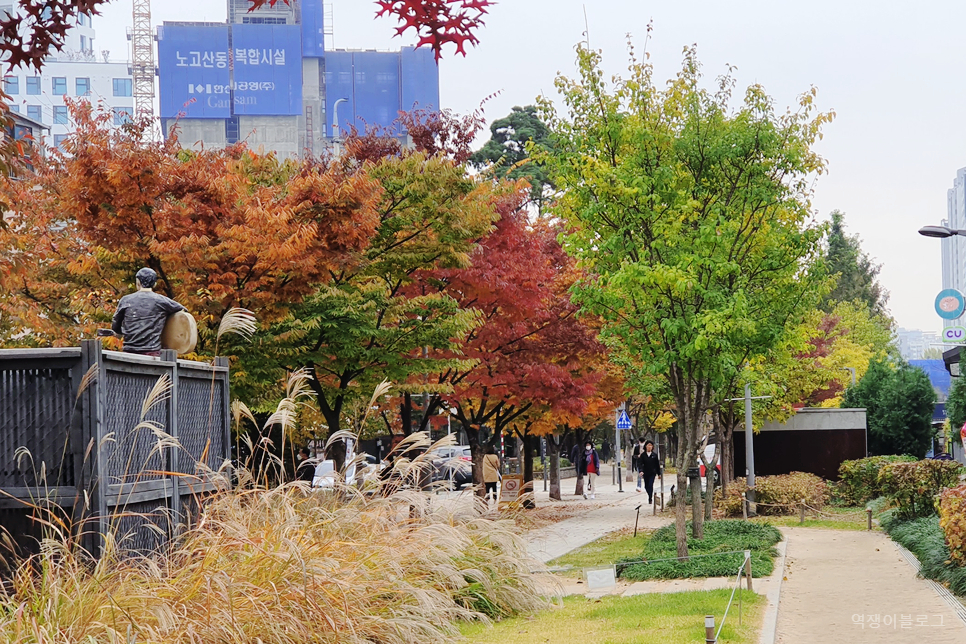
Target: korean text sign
(194,64)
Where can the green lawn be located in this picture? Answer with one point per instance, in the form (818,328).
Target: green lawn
(641,619)
(605,551)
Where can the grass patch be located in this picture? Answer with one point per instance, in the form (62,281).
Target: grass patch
(720,538)
(925,539)
(831,518)
(640,619)
(607,550)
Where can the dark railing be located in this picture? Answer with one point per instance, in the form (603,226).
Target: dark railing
(78,440)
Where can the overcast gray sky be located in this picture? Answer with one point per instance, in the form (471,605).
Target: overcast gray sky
(892,72)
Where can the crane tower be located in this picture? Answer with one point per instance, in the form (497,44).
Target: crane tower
(142,60)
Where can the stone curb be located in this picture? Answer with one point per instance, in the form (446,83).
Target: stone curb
(769,624)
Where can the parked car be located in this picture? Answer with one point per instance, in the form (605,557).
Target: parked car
(453,463)
(708,455)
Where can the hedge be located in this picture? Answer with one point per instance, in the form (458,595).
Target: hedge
(913,487)
(776,495)
(859,479)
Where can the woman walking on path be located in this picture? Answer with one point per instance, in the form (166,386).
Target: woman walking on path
(491,471)
(589,466)
(649,467)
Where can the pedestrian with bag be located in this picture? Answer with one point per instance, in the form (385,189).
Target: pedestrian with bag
(491,471)
(589,466)
(649,467)
(636,460)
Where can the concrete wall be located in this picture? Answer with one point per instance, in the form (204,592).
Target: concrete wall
(191,133)
(271,133)
(820,419)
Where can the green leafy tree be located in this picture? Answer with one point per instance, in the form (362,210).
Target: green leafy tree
(373,320)
(508,151)
(857,273)
(899,405)
(693,221)
(956,407)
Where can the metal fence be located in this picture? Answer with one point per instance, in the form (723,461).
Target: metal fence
(77,438)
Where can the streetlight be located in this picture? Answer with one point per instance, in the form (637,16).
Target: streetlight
(940,231)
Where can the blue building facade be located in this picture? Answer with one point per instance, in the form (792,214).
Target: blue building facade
(266,78)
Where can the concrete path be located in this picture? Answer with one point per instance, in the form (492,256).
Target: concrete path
(848,586)
(610,511)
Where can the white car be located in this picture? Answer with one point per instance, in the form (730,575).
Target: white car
(325,474)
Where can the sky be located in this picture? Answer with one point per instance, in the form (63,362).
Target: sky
(891,71)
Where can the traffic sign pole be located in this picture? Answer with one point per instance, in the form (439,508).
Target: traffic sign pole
(623,422)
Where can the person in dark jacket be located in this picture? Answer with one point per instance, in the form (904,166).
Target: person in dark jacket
(588,464)
(306,468)
(649,466)
(140,316)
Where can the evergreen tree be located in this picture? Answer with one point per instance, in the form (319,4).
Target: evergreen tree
(856,271)
(507,150)
(899,404)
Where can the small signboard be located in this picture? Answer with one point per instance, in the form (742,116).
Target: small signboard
(624,421)
(954,334)
(601,578)
(950,304)
(511,489)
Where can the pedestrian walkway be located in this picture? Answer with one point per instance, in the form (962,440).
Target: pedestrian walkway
(849,586)
(613,510)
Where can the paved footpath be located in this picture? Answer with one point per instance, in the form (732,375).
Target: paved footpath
(612,510)
(850,586)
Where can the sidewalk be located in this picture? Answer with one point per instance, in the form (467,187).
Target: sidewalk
(610,511)
(848,586)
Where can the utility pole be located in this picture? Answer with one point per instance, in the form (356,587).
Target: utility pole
(142,60)
(749,446)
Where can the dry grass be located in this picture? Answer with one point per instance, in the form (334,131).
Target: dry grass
(287,564)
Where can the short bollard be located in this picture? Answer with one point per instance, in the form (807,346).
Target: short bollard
(744,507)
(801,512)
(638,508)
(748,568)
(868,512)
(709,629)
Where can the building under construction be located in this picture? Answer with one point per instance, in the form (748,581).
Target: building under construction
(266,78)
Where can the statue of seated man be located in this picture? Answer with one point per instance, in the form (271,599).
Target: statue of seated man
(140,316)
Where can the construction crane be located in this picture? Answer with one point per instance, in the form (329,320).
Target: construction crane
(142,60)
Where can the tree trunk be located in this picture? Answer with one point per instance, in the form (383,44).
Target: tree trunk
(476,454)
(553,453)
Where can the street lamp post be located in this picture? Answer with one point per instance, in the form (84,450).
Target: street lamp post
(940,231)
(852,370)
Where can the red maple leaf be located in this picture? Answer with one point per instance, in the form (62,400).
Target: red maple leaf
(437,22)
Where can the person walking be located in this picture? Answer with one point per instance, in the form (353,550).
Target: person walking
(306,468)
(491,471)
(636,460)
(650,467)
(589,466)
(605,451)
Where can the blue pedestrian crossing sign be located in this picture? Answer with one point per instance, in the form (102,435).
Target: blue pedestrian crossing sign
(624,421)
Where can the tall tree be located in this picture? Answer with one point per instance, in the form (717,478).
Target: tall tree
(530,349)
(507,151)
(899,404)
(375,318)
(222,229)
(693,221)
(857,273)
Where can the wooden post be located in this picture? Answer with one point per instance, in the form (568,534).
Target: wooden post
(748,568)
(709,629)
(801,512)
(744,507)
(868,512)
(638,508)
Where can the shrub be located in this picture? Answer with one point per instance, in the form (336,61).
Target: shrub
(913,487)
(924,538)
(776,495)
(859,478)
(724,537)
(952,519)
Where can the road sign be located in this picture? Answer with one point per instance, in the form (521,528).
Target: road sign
(624,421)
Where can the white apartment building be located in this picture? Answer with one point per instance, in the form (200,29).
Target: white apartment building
(76,72)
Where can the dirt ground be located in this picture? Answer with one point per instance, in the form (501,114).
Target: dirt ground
(835,577)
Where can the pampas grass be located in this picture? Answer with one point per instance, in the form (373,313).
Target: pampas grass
(287,564)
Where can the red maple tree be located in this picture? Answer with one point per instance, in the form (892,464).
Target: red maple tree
(530,349)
